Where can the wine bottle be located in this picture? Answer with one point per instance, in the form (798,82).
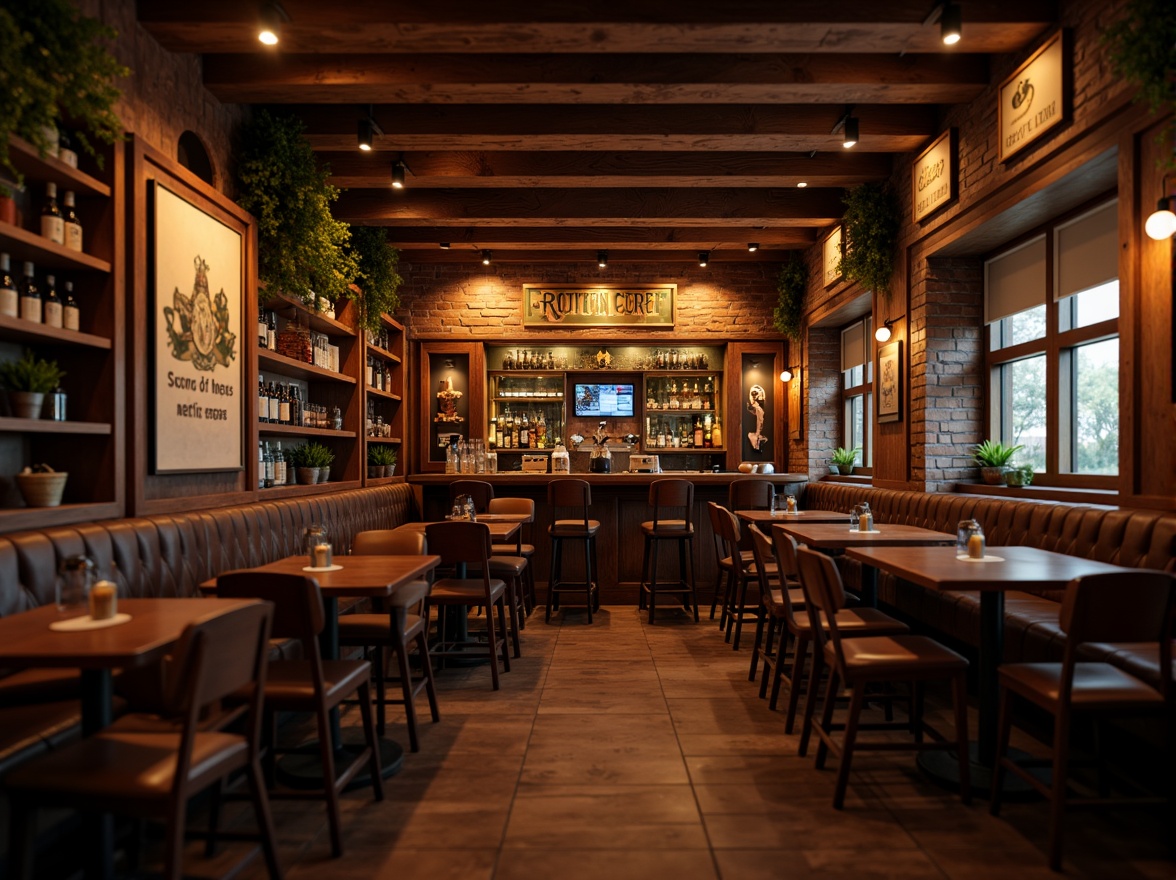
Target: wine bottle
(260,466)
(268,460)
(275,404)
(279,466)
(51,307)
(9,298)
(30,297)
(65,150)
(284,406)
(52,222)
(262,329)
(262,401)
(71,314)
(271,331)
(73,226)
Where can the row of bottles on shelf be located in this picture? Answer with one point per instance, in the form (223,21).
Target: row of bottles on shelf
(542,386)
(676,359)
(379,374)
(272,467)
(30,303)
(523,431)
(678,433)
(379,338)
(296,341)
(59,223)
(376,426)
(665,394)
(525,359)
(267,329)
(282,404)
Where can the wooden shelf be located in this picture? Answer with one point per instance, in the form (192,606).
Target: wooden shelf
(383,353)
(271,361)
(395,441)
(383,481)
(679,412)
(309,489)
(18,330)
(49,426)
(14,518)
(668,373)
(26,159)
(264,428)
(315,320)
(386,394)
(23,246)
(528,399)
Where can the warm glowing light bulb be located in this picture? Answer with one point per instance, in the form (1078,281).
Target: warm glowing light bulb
(951,39)
(882,334)
(802,184)
(785,375)
(268,37)
(1162,223)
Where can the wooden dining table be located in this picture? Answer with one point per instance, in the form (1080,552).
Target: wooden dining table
(154,626)
(759,517)
(1008,569)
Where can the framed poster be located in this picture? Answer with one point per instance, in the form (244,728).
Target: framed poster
(794,405)
(935,175)
(195,323)
(831,258)
(1036,98)
(890,382)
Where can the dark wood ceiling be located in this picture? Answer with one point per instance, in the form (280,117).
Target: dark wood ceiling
(651,129)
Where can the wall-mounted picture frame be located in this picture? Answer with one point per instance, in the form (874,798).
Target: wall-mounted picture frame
(1036,98)
(890,382)
(831,252)
(935,175)
(795,410)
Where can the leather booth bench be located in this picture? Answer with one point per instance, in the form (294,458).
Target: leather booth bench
(1119,536)
(158,557)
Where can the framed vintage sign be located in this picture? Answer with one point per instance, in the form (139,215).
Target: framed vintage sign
(573,305)
(1036,98)
(831,250)
(195,327)
(890,382)
(935,175)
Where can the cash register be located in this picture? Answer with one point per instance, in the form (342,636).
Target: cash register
(644,464)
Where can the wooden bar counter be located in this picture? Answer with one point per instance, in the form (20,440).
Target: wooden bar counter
(619,503)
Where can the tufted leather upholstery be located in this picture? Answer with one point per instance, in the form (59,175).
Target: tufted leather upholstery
(169,556)
(1119,536)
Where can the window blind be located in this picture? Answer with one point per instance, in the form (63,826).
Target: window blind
(853,346)
(1015,281)
(1086,251)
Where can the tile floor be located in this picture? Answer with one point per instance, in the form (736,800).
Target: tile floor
(626,751)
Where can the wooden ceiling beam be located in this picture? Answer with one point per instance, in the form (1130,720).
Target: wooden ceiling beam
(595,79)
(677,127)
(352,169)
(597,237)
(475,26)
(588,255)
(701,206)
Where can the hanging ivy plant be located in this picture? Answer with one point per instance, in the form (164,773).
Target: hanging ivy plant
(791,284)
(302,250)
(1142,50)
(56,69)
(872,221)
(378,276)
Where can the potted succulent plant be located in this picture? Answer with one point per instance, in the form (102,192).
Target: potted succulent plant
(1018,475)
(843,460)
(993,458)
(27,381)
(381,460)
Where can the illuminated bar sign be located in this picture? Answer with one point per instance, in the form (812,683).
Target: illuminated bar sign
(933,176)
(562,305)
(1036,98)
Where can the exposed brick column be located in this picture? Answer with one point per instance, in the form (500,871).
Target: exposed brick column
(822,378)
(947,399)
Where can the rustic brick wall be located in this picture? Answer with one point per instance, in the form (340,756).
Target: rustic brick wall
(165,94)
(723,302)
(822,375)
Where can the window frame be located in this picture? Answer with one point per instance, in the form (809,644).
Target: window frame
(864,390)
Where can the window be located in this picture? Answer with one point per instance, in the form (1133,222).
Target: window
(857,389)
(1052,308)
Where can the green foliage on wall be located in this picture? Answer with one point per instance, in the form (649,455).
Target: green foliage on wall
(871,223)
(56,70)
(378,276)
(791,285)
(302,250)
(1142,49)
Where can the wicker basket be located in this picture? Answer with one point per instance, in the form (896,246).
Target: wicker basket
(42,490)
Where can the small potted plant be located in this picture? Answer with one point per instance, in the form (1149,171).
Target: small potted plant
(381,461)
(41,486)
(1018,475)
(318,456)
(296,461)
(993,458)
(843,460)
(27,381)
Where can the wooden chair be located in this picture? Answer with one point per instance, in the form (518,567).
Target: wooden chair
(1120,607)
(523,547)
(397,624)
(750,493)
(673,508)
(859,662)
(311,685)
(740,574)
(464,547)
(481,491)
(150,770)
(723,564)
(780,593)
(571,501)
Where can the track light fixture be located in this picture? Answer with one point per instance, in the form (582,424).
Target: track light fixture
(486,257)
(752,247)
(882,334)
(1162,222)
(398,169)
(703,258)
(847,125)
(444,245)
(950,23)
(270,21)
(368,129)
(802,184)
(602,259)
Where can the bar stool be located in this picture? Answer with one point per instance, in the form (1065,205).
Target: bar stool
(749,493)
(519,507)
(667,497)
(573,496)
(723,562)
(742,572)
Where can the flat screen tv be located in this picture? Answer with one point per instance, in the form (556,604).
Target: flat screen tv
(605,401)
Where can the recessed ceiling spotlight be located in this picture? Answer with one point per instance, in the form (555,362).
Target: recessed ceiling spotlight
(486,257)
(752,247)
(950,24)
(602,259)
(398,169)
(367,133)
(850,138)
(802,184)
(703,258)
(269,25)
(444,245)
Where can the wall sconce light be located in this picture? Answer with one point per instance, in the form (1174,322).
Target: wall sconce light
(847,125)
(882,334)
(703,258)
(368,129)
(1162,222)
(950,24)
(486,257)
(602,259)
(787,373)
(752,247)
(269,24)
(398,171)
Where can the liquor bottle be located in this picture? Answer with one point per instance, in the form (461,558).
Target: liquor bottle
(262,401)
(71,315)
(284,406)
(717,434)
(371,371)
(524,433)
(514,433)
(268,461)
(275,405)
(262,329)
(65,150)
(501,434)
(699,438)
(492,434)
(52,222)
(271,332)
(9,299)
(51,306)
(260,466)
(297,410)
(279,466)
(73,226)
(30,297)
(541,432)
